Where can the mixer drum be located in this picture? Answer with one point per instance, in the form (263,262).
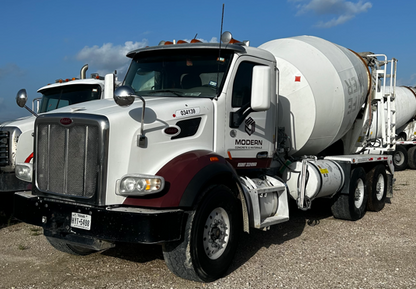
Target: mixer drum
(322,89)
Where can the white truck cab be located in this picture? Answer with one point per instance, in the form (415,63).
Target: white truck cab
(16,137)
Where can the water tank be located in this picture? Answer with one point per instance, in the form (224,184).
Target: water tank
(322,87)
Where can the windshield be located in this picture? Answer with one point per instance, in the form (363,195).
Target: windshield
(57,97)
(190,73)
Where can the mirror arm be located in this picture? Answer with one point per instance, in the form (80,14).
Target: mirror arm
(237,117)
(31,111)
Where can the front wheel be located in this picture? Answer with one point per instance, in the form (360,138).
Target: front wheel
(210,240)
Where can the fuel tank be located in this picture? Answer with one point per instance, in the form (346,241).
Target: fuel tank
(322,87)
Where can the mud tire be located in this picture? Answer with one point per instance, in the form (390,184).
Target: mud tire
(216,219)
(352,206)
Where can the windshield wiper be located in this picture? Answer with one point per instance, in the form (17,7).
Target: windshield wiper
(175,92)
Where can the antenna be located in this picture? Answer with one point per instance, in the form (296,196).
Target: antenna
(222,21)
(219,52)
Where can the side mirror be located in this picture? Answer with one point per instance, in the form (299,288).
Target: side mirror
(124,95)
(260,90)
(21,98)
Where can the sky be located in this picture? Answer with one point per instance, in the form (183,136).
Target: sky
(43,40)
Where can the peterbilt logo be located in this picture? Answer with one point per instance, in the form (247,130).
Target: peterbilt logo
(65,121)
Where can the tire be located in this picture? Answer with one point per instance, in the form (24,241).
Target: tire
(62,246)
(352,206)
(400,158)
(377,188)
(210,238)
(411,154)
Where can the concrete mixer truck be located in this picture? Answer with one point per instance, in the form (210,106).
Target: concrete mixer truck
(405,154)
(204,141)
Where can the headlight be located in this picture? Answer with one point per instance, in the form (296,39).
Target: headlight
(23,172)
(139,185)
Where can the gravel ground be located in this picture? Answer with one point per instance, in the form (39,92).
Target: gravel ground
(312,250)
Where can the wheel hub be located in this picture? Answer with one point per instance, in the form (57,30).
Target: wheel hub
(359,194)
(398,158)
(380,187)
(216,233)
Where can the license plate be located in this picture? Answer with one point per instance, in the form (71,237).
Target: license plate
(81,221)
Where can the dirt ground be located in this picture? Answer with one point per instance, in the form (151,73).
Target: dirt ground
(312,250)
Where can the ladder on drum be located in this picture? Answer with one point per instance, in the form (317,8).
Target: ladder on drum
(383,99)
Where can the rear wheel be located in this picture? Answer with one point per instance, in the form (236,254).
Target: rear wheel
(411,154)
(210,239)
(377,188)
(400,158)
(352,206)
(63,246)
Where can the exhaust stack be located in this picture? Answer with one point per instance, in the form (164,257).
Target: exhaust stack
(83,72)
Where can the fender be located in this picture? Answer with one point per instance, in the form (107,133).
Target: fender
(185,176)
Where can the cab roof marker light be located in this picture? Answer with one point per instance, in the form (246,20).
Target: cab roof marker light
(161,43)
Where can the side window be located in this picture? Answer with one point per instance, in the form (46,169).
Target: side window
(242,84)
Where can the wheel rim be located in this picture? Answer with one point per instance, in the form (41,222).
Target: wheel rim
(216,233)
(359,193)
(398,158)
(380,187)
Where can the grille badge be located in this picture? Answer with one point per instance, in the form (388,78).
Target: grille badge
(65,121)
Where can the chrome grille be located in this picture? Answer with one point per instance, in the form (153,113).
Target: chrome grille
(9,137)
(4,148)
(70,159)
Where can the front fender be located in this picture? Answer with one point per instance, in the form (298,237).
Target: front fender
(185,177)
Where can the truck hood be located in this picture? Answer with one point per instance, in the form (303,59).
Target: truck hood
(23,123)
(157,108)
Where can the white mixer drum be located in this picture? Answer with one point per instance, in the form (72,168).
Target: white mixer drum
(322,87)
(405,110)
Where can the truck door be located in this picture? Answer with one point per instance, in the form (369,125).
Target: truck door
(251,144)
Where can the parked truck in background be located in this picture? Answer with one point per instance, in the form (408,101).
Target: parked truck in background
(405,154)
(207,140)
(16,137)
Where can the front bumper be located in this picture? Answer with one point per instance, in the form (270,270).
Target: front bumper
(9,183)
(112,224)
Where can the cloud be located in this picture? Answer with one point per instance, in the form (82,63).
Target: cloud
(341,10)
(10,69)
(109,57)
(409,81)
